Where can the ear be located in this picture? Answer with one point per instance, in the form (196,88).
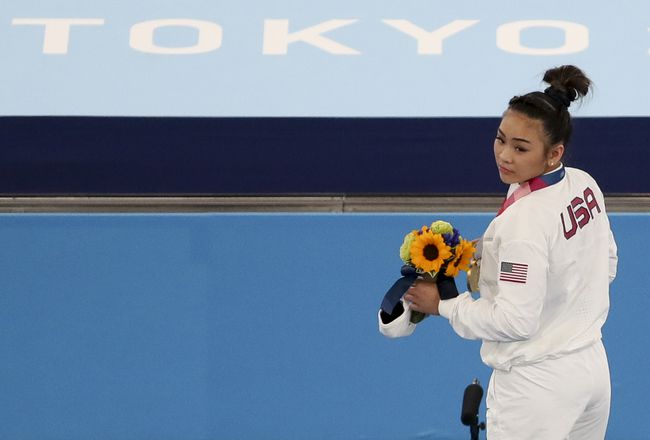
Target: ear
(555,154)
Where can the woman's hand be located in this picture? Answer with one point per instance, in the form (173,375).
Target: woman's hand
(423,297)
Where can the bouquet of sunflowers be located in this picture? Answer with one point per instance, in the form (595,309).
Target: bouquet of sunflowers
(427,253)
(436,248)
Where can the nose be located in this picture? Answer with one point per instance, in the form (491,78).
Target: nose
(503,155)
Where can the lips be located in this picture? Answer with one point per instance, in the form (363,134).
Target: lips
(504,170)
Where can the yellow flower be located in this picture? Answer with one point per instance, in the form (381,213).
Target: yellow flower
(464,252)
(429,251)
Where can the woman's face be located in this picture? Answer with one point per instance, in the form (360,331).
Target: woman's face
(519,149)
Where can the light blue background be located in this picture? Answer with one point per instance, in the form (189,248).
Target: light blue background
(260,326)
(102,75)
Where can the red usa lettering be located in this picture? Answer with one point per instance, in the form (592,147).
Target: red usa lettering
(579,212)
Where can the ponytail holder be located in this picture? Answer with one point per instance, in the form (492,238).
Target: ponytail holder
(558,96)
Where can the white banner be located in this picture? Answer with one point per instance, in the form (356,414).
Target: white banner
(334,58)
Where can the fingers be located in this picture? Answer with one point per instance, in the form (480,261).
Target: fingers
(415,307)
(411,299)
(423,297)
(411,293)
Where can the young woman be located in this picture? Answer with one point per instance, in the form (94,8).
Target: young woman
(547,260)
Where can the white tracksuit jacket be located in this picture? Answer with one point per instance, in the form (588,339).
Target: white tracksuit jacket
(546,265)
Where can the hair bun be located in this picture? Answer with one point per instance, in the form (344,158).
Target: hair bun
(561,97)
(567,83)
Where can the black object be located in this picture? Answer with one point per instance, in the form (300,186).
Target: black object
(469,412)
(391,306)
(446,286)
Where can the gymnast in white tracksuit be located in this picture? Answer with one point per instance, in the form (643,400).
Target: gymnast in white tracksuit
(547,260)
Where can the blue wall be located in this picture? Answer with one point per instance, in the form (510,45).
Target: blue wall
(250,327)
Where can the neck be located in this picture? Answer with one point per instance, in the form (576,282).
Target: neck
(550,169)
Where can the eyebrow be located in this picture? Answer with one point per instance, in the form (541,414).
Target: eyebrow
(515,139)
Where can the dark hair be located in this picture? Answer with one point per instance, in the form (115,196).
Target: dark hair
(566,84)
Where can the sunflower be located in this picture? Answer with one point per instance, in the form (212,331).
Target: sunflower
(464,252)
(429,251)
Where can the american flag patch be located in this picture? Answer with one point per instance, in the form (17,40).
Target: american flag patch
(513,272)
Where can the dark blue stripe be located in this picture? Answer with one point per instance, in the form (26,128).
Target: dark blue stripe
(554,177)
(272,156)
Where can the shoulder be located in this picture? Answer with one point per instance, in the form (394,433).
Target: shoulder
(577,174)
(527,219)
(581,184)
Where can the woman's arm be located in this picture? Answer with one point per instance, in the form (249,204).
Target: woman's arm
(613,257)
(513,313)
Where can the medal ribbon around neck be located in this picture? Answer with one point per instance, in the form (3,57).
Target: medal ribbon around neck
(534,184)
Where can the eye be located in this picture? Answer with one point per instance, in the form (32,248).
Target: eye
(520,149)
(499,139)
